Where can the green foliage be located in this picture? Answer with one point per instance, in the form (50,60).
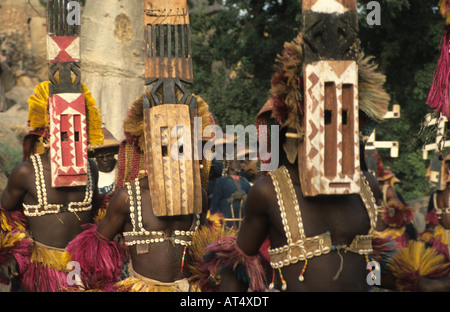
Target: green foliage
(234,54)
(406,46)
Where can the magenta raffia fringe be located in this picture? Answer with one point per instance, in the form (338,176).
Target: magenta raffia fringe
(100,259)
(41,278)
(18,245)
(225,253)
(439,95)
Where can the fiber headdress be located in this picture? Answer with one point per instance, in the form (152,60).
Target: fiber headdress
(285,105)
(39,120)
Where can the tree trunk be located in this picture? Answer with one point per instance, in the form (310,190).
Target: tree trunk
(112,57)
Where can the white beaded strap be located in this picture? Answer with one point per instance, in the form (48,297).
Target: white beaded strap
(440,211)
(131,201)
(150,237)
(43,207)
(143,236)
(369,202)
(38,189)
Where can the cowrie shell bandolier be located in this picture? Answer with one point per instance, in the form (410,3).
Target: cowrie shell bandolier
(299,247)
(43,207)
(140,236)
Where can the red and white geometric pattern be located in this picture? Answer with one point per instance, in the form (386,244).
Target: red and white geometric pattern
(63,49)
(315,178)
(68,139)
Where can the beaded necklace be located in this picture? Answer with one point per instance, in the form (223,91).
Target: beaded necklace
(43,207)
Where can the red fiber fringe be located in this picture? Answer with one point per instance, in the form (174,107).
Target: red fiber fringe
(16,219)
(20,251)
(439,96)
(431,218)
(101,260)
(225,253)
(41,278)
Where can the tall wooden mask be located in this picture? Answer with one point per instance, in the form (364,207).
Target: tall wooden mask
(169,120)
(167,38)
(68,135)
(329,154)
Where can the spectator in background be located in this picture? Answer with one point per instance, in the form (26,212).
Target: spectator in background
(105,157)
(230,194)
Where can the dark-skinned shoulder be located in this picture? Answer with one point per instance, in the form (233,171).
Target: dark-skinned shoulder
(119,202)
(261,194)
(18,184)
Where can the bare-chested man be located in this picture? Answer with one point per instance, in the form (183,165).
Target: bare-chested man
(54,215)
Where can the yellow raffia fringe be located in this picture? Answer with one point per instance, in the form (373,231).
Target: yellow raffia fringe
(440,233)
(372,98)
(51,258)
(443,10)
(6,226)
(205,236)
(203,112)
(38,116)
(426,236)
(8,240)
(391,232)
(416,259)
(216,220)
(100,215)
(133,284)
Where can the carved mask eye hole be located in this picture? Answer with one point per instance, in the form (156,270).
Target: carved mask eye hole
(328,115)
(164,142)
(341,35)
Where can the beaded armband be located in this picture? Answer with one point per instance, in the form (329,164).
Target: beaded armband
(43,207)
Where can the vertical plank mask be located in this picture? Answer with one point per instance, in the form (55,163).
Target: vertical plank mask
(329,154)
(169,120)
(67,111)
